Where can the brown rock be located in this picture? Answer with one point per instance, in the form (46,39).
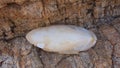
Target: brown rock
(112,35)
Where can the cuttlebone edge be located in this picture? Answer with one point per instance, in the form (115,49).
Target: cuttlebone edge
(40,45)
(93,40)
(29,37)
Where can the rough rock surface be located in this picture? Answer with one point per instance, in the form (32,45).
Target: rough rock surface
(17,17)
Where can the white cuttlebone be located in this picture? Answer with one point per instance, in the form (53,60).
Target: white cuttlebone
(64,39)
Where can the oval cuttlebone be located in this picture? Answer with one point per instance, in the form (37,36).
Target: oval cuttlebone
(64,39)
